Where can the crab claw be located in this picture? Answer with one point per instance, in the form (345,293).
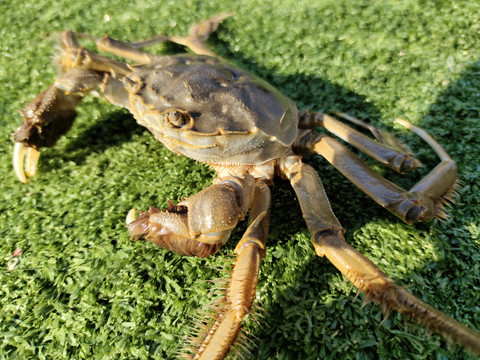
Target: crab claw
(25,160)
(140,228)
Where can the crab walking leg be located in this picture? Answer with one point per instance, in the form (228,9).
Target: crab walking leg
(216,343)
(328,240)
(381,135)
(199,33)
(123,50)
(395,157)
(195,40)
(200,224)
(423,202)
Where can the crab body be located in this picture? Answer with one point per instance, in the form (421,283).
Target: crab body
(210,111)
(201,107)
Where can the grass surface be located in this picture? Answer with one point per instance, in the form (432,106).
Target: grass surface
(82,290)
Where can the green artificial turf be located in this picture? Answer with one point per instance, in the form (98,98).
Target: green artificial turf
(82,290)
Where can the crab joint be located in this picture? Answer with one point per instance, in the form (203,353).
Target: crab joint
(317,243)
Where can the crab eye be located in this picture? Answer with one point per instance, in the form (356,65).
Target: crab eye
(176,118)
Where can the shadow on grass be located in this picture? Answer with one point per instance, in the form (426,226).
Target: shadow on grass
(108,131)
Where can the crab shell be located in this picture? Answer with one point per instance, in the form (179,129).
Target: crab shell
(210,111)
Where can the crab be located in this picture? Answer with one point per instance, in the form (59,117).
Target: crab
(201,107)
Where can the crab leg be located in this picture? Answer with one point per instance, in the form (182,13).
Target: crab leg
(124,50)
(389,151)
(423,202)
(75,56)
(216,343)
(195,41)
(328,240)
(382,136)
(199,33)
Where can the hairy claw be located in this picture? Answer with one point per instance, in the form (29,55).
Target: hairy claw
(25,160)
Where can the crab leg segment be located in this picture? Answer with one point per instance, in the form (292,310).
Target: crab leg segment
(328,240)
(75,56)
(382,136)
(216,343)
(446,170)
(124,50)
(199,33)
(367,277)
(195,41)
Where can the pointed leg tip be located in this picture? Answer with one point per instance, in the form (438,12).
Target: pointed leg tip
(222,16)
(408,125)
(404,123)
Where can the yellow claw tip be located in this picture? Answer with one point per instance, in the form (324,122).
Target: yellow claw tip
(19,151)
(131,216)
(31,161)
